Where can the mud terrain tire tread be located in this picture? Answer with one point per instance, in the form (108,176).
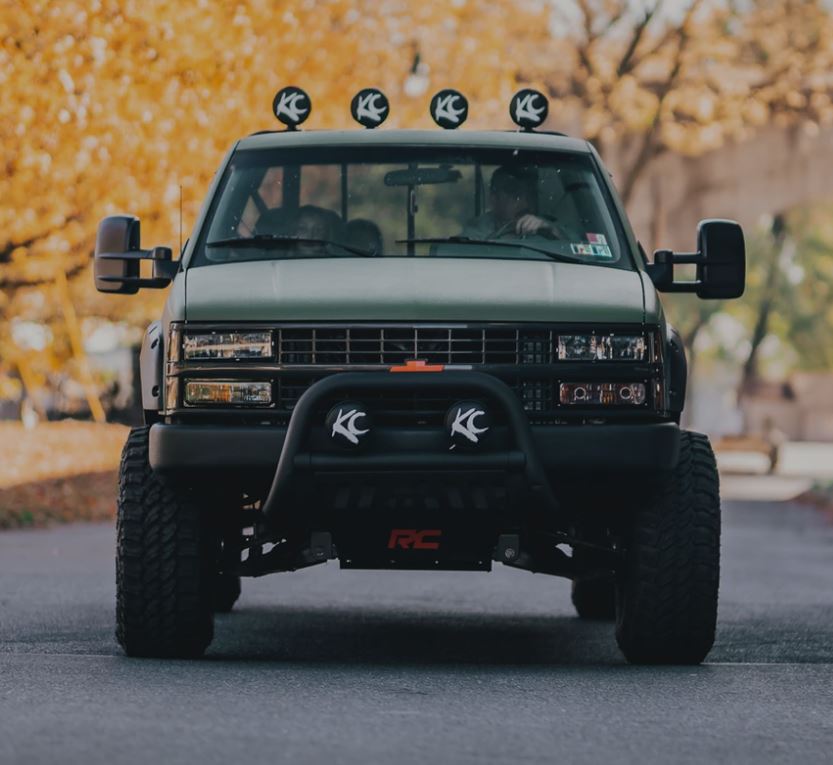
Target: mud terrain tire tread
(163,606)
(667,597)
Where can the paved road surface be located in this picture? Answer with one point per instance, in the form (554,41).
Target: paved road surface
(360,667)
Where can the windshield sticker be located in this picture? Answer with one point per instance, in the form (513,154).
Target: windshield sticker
(591,250)
(596,239)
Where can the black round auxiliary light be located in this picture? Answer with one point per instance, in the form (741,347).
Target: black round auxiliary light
(529,108)
(467,424)
(449,109)
(291,106)
(370,107)
(348,424)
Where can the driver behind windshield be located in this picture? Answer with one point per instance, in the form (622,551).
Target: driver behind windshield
(316,223)
(512,208)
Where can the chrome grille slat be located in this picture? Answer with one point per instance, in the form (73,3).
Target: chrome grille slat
(349,344)
(341,346)
(306,353)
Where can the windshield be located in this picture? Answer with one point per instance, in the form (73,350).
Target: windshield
(411,201)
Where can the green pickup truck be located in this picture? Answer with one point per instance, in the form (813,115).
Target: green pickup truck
(419,350)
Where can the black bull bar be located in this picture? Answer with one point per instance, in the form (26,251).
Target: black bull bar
(519,456)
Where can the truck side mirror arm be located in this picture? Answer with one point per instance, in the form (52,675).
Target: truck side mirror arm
(661,271)
(720,260)
(118,255)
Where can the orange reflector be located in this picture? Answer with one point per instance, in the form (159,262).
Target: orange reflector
(417,365)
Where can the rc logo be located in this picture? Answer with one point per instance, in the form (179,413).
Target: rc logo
(414,539)
(291,106)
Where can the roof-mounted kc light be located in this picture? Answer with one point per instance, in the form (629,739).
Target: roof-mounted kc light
(449,108)
(291,106)
(529,108)
(370,107)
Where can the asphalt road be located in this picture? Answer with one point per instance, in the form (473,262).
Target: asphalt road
(361,667)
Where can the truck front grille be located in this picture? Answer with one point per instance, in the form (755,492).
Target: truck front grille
(356,346)
(523,356)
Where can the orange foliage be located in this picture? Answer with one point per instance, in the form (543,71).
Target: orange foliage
(110,105)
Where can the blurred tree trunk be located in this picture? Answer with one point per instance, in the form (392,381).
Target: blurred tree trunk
(77,344)
(689,343)
(27,380)
(769,296)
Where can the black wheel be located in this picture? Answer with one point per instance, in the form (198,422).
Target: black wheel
(225,592)
(667,594)
(163,562)
(595,599)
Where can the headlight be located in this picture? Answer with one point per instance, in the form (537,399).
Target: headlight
(602,394)
(228,345)
(202,392)
(601,347)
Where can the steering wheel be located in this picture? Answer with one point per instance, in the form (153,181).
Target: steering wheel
(506,228)
(553,231)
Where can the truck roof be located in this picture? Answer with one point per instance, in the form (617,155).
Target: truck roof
(494,139)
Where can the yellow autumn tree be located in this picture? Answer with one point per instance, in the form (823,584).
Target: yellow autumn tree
(113,105)
(643,78)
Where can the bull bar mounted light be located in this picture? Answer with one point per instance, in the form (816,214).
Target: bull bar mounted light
(449,109)
(291,106)
(529,108)
(370,108)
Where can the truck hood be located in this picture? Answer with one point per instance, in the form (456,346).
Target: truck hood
(413,289)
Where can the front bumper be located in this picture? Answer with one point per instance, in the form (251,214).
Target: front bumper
(407,481)
(212,448)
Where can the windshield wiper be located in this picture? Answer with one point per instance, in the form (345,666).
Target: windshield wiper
(496,242)
(276,242)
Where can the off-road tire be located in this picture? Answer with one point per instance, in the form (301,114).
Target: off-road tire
(163,562)
(595,599)
(225,592)
(667,593)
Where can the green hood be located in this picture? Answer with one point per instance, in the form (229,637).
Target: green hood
(413,289)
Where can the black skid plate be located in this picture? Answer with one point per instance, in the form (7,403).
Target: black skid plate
(415,521)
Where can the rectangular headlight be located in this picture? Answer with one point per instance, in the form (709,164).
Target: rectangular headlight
(602,394)
(227,345)
(601,347)
(203,392)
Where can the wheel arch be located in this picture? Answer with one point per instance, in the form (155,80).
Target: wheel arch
(677,374)
(151,364)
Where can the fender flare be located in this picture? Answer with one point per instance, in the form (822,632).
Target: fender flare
(677,374)
(150,367)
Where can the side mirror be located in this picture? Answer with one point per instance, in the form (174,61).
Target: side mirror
(118,254)
(722,274)
(720,261)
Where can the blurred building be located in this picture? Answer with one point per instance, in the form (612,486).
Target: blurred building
(801,407)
